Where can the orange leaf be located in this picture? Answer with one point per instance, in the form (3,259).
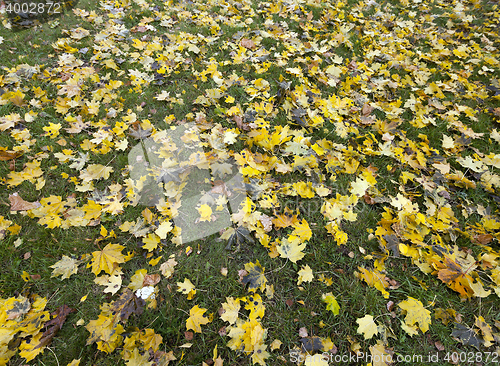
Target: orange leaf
(8,155)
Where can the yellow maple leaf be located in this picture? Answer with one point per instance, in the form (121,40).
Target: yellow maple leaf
(260,354)
(452,273)
(196,319)
(339,235)
(291,248)
(359,187)
(331,302)
(286,219)
(231,308)
(256,306)
(305,190)
(478,289)
(65,267)
(106,332)
(52,129)
(276,344)
(486,330)
(255,277)
(187,288)
(416,313)
(151,242)
(305,275)
(113,283)
(164,228)
(95,171)
(107,259)
(302,230)
(379,355)
(333,70)
(317,360)
(373,278)
(16,97)
(205,212)
(137,280)
(367,326)
(246,335)
(136,359)
(29,348)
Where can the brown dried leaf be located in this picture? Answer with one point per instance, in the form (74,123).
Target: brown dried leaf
(439,346)
(55,324)
(18,204)
(127,304)
(221,311)
(219,187)
(139,28)
(482,239)
(367,110)
(368,199)
(151,280)
(247,43)
(242,273)
(303,332)
(161,358)
(390,305)
(240,124)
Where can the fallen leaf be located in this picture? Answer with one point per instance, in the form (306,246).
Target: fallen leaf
(303,332)
(276,344)
(196,319)
(151,280)
(127,305)
(439,346)
(66,267)
(367,110)
(331,302)
(8,155)
(247,43)
(18,204)
(54,325)
(466,336)
(367,326)
(255,276)
(416,313)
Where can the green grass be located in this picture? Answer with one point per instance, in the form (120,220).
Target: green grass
(309,37)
